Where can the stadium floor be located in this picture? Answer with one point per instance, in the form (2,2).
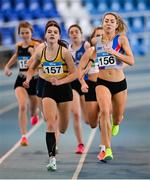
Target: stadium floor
(131,148)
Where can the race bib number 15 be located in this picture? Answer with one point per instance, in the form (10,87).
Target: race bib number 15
(23,62)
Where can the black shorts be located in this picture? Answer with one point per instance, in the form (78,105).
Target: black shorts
(32,85)
(77,86)
(61,93)
(114,87)
(91,95)
(40,86)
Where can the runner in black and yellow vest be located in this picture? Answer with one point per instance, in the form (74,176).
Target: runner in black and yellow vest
(58,71)
(40,84)
(23,53)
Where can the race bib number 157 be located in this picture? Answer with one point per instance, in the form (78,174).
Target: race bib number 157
(53,68)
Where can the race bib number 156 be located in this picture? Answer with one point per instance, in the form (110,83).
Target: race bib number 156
(106,61)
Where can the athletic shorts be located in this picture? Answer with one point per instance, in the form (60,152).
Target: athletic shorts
(60,93)
(114,87)
(40,86)
(32,85)
(77,86)
(91,95)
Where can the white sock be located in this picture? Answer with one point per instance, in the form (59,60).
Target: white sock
(23,135)
(103,148)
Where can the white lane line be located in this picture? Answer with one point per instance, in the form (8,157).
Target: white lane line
(82,159)
(8,108)
(17,145)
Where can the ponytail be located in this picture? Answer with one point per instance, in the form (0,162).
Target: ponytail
(63,43)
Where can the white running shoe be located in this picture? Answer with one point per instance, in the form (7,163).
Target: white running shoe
(52,164)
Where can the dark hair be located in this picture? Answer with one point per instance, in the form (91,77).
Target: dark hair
(75,25)
(63,43)
(52,23)
(93,33)
(25,24)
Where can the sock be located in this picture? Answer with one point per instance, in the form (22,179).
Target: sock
(23,135)
(51,143)
(103,148)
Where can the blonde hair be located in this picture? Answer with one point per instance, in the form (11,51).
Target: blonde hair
(122,27)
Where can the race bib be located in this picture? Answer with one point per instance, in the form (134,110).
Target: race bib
(108,60)
(23,61)
(53,68)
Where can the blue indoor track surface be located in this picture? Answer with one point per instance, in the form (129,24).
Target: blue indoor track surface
(131,148)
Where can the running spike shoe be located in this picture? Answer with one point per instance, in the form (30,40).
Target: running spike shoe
(108,154)
(34,120)
(80,149)
(24,141)
(115,130)
(52,164)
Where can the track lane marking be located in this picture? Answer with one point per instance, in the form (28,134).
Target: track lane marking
(83,156)
(17,145)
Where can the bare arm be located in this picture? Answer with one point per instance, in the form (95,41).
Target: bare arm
(32,50)
(87,45)
(85,63)
(128,58)
(11,62)
(35,61)
(84,66)
(71,67)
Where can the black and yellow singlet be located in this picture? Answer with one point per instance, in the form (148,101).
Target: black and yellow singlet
(24,54)
(54,68)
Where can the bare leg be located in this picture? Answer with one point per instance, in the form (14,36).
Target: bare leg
(76,110)
(22,98)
